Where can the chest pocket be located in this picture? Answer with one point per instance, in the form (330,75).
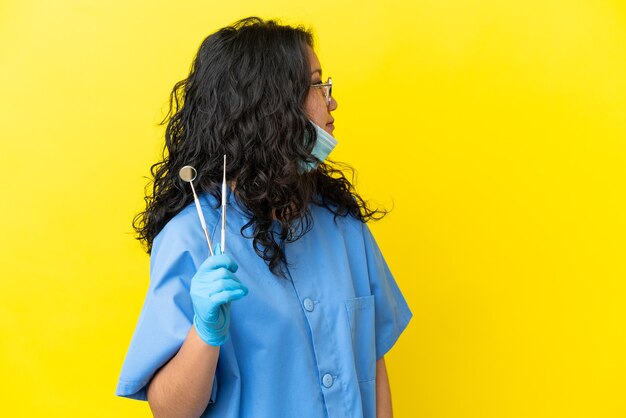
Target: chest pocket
(362,327)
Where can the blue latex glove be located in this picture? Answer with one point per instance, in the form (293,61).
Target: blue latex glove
(213,288)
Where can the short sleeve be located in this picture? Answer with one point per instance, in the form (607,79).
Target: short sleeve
(392,313)
(167,313)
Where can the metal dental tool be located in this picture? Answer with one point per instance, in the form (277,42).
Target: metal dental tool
(223,242)
(188,174)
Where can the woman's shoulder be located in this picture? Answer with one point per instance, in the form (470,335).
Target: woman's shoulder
(346,224)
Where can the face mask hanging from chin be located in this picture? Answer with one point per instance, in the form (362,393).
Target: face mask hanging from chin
(324,144)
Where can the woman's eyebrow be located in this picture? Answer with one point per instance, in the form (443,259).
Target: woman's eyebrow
(317,71)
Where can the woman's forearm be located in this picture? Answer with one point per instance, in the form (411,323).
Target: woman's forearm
(182,387)
(383,392)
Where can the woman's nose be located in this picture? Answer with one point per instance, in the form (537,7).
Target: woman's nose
(333,104)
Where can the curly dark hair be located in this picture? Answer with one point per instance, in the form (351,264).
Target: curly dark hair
(244,98)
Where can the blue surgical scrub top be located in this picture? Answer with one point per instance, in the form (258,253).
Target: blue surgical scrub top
(304,346)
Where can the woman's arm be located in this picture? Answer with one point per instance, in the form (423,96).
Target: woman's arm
(383,392)
(182,387)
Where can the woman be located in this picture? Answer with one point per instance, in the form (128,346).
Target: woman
(294,320)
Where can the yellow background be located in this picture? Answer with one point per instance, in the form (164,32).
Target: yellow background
(496,129)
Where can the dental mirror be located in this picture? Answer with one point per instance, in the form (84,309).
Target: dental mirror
(188,173)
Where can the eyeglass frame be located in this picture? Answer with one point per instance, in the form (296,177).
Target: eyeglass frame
(328,90)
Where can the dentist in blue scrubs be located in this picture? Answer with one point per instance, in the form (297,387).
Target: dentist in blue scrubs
(295,316)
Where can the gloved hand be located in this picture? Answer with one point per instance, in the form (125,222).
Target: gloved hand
(213,288)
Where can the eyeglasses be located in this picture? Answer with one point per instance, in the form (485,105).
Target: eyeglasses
(327,89)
